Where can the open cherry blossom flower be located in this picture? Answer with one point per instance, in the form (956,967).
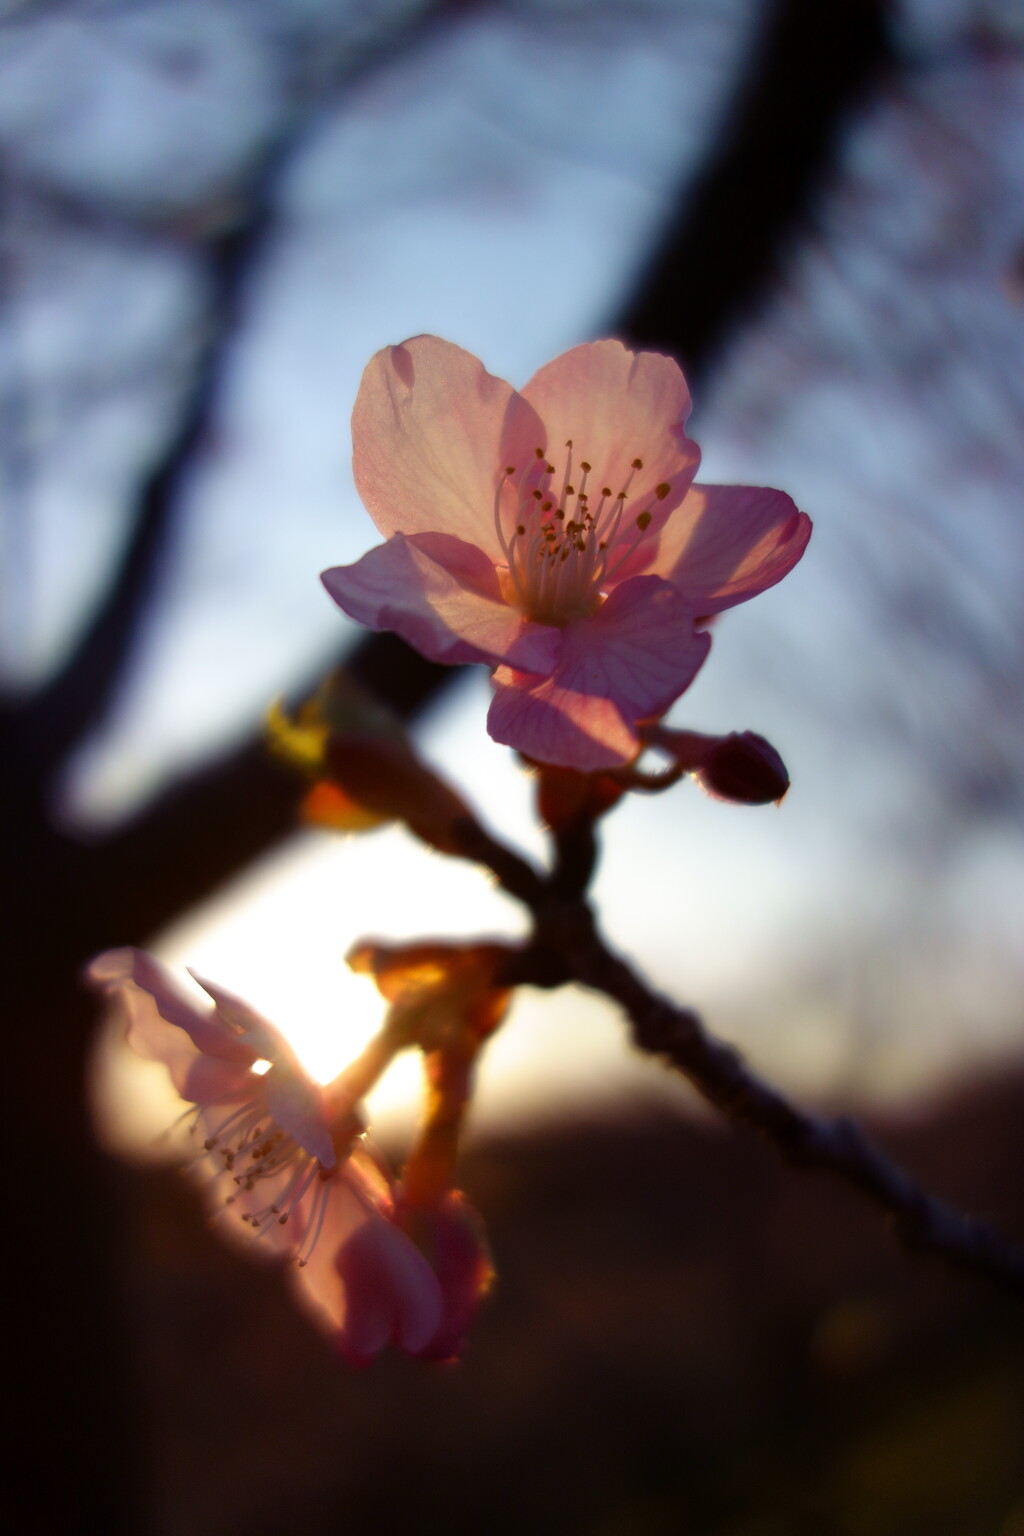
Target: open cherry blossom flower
(269,1146)
(554,535)
(284,1163)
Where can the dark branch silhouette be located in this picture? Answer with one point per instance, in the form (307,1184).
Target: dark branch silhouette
(567,946)
(727,245)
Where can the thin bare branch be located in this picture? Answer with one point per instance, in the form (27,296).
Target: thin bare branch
(567,946)
(836,1146)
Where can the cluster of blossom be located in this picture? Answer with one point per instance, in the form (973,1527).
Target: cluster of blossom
(286,1165)
(556,536)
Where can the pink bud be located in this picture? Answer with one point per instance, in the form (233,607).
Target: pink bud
(744,768)
(392,1295)
(452,1237)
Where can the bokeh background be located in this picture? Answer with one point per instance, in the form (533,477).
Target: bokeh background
(212,214)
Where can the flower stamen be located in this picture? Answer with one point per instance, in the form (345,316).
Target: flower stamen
(316,1221)
(558,550)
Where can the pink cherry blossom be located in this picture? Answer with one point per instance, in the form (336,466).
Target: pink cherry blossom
(553,534)
(389,1292)
(451,1234)
(284,1164)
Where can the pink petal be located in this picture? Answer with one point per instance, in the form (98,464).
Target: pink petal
(442,596)
(627,662)
(392,1295)
(157,1006)
(432,432)
(356,1194)
(207,1079)
(617,406)
(553,725)
(296,1106)
(264,1038)
(728,542)
(454,1241)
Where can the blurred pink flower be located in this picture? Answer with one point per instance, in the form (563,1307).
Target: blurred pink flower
(553,534)
(451,1234)
(284,1163)
(393,1286)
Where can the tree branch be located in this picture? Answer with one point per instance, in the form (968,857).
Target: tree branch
(40,731)
(567,946)
(722,254)
(835,1146)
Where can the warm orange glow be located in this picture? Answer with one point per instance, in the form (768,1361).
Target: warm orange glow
(278,938)
(327,805)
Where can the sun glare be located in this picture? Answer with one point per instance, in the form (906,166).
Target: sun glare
(278,936)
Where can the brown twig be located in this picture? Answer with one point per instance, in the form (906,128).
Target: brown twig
(837,1146)
(567,946)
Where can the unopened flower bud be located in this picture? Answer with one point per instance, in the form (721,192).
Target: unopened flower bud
(392,1295)
(744,768)
(451,1236)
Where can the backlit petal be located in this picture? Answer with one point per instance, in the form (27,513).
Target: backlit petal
(627,662)
(617,406)
(728,542)
(354,1196)
(392,1295)
(153,1000)
(296,1104)
(205,1079)
(432,431)
(453,1239)
(442,596)
(257,1033)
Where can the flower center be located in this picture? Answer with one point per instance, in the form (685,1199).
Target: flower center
(563,550)
(267,1174)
